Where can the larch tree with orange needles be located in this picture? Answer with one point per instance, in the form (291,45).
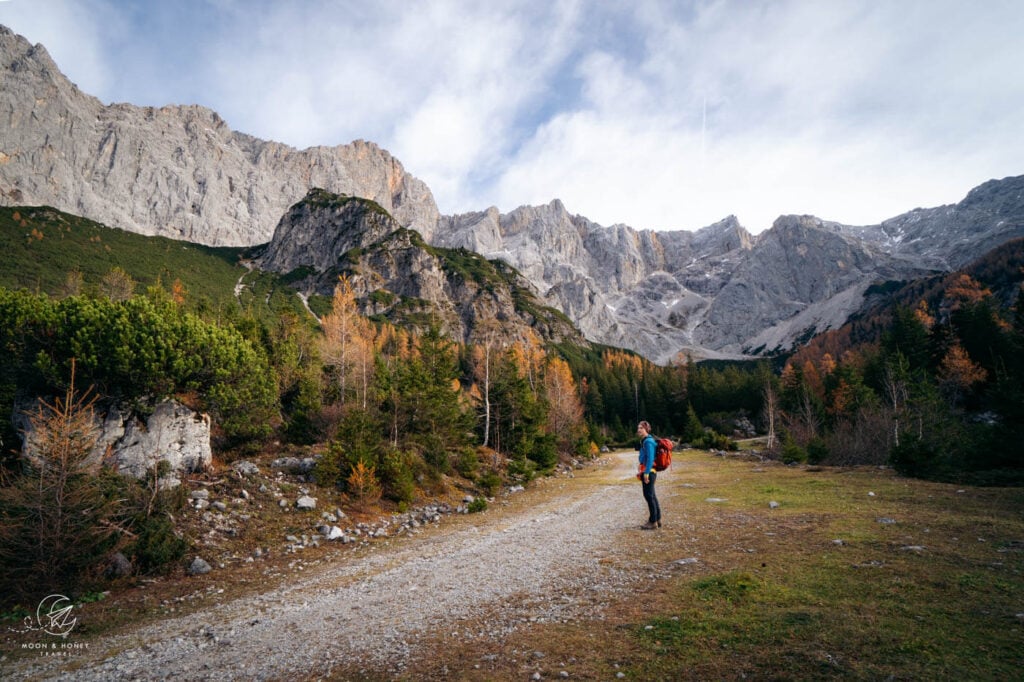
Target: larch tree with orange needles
(565,411)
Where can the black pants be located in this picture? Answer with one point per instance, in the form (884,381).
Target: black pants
(652,499)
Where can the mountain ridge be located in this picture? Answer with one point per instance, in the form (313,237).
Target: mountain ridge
(177,171)
(396,275)
(717,292)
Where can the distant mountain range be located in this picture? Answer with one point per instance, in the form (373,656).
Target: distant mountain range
(180,172)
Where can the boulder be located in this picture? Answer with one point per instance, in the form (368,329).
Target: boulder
(294,465)
(172,433)
(198,567)
(118,566)
(245,468)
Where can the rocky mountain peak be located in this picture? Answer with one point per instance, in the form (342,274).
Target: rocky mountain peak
(395,274)
(180,171)
(175,171)
(722,237)
(20,55)
(321,228)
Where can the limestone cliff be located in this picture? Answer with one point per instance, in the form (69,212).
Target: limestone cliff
(179,171)
(174,171)
(395,274)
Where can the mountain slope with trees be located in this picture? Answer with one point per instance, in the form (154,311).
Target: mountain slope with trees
(392,407)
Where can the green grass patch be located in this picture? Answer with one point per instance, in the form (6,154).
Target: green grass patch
(43,246)
(858,574)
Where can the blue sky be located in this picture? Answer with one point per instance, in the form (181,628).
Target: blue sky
(657,114)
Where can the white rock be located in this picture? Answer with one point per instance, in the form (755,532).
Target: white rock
(245,468)
(199,567)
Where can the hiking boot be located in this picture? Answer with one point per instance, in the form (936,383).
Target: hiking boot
(659,523)
(650,525)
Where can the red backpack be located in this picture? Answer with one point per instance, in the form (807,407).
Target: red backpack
(662,454)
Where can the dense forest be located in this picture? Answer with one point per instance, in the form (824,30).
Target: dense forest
(929,380)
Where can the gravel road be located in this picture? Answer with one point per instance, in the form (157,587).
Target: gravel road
(558,558)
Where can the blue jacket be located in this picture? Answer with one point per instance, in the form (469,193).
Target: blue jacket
(647,446)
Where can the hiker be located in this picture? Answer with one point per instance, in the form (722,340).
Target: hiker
(648,475)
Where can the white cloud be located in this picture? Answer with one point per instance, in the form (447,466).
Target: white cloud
(851,111)
(70,33)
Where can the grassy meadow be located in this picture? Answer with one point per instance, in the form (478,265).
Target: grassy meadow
(851,574)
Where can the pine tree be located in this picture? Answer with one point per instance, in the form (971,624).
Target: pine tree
(693,432)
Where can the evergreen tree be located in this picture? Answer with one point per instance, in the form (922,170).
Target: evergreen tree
(693,431)
(440,420)
(907,336)
(520,418)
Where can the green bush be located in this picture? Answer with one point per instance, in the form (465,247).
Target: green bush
(489,482)
(712,440)
(817,451)
(467,462)
(157,546)
(544,452)
(302,406)
(435,453)
(522,469)
(328,469)
(914,457)
(792,452)
(396,477)
(147,513)
(478,504)
(137,352)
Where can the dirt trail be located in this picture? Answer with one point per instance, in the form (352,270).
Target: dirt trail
(559,557)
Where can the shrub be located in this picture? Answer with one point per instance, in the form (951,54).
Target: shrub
(327,470)
(914,457)
(147,514)
(544,452)
(817,451)
(478,504)
(489,482)
(435,454)
(56,524)
(712,440)
(363,485)
(467,462)
(792,452)
(396,477)
(157,546)
(522,470)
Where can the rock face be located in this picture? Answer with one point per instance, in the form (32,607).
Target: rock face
(643,290)
(172,433)
(394,273)
(717,292)
(176,171)
(721,292)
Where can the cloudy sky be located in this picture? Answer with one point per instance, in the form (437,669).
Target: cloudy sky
(655,113)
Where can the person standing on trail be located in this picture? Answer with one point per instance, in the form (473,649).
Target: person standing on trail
(648,475)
